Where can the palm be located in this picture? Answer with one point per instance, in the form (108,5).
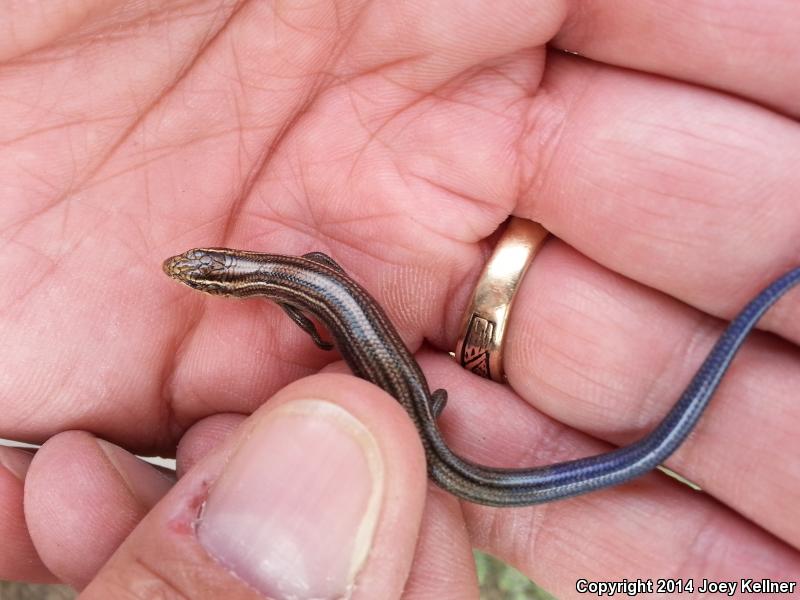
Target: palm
(395,147)
(247,146)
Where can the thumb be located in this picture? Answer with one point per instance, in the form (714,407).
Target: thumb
(318,495)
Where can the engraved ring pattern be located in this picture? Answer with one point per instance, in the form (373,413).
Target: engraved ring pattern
(480,347)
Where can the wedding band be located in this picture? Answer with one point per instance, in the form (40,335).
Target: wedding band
(480,347)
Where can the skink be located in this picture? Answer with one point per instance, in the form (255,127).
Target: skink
(373,350)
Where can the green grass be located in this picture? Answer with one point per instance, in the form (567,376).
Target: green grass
(500,582)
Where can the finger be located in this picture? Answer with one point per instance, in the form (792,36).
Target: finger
(23,30)
(19,560)
(202,438)
(83,496)
(734,46)
(635,528)
(654,180)
(443,564)
(319,494)
(608,356)
(444,567)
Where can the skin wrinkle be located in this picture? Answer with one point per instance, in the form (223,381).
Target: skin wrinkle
(137,123)
(17,300)
(50,187)
(344,78)
(292,200)
(681,361)
(697,555)
(240,169)
(33,104)
(667,178)
(14,19)
(648,210)
(524,544)
(633,225)
(38,177)
(565,359)
(169,150)
(262,164)
(459,84)
(603,323)
(538,144)
(143,237)
(676,157)
(527,531)
(552,444)
(342,242)
(304,232)
(386,215)
(84,37)
(50,128)
(373,134)
(493,210)
(209,40)
(668,195)
(444,90)
(399,288)
(535,527)
(159,576)
(317,215)
(173,358)
(121,138)
(526,91)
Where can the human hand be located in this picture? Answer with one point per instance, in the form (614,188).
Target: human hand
(324,483)
(397,144)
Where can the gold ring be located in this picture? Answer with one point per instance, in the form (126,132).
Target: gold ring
(480,347)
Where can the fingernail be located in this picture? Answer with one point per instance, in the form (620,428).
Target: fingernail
(295,511)
(145,483)
(16,461)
